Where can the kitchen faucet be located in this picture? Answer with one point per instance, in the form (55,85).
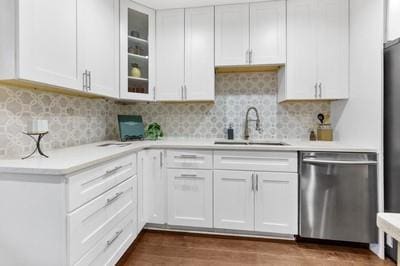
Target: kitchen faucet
(246,125)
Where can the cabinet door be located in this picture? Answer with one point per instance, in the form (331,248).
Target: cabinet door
(48,42)
(301,69)
(268,32)
(233,200)
(199,54)
(231,35)
(276,202)
(137,37)
(190,197)
(170,54)
(155,187)
(333,48)
(98,44)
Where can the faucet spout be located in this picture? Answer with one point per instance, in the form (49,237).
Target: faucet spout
(246,125)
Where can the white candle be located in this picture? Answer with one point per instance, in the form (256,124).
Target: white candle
(38,126)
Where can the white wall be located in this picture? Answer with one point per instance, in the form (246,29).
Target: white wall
(393,20)
(359,120)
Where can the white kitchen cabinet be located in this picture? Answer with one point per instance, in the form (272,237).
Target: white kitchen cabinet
(317,50)
(39,42)
(137,49)
(190,198)
(185,54)
(154,187)
(232,35)
(276,202)
(170,54)
(199,54)
(233,200)
(268,33)
(98,45)
(251,34)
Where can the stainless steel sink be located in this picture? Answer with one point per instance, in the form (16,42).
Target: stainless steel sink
(239,142)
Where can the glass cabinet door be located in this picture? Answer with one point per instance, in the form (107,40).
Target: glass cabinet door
(137,42)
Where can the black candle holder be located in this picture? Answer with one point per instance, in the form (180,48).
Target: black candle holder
(37,141)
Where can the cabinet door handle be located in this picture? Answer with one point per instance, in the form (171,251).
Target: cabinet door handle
(252,181)
(84,81)
(188,156)
(320,90)
(182,92)
(116,196)
(316,90)
(185,91)
(90,81)
(251,56)
(117,234)
(161,159)
(247,56)
(188,175)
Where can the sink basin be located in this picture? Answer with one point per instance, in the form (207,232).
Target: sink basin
(239,142)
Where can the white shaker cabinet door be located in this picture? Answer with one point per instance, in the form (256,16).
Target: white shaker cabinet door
(233,200)
(48,42)
(301,69)
(199,54)
(232,35)
(333,49)
(268,32)
(170,32)
(190,197)
(98,46)
(154,187)
(276,202)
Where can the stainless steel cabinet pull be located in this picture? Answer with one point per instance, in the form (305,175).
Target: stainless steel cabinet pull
(316,90)
(188,156)
(251,56)
(90,81)
(252,181)
(320,90)
(256,182)
(117,234)
(161,159)
(154,93)
(116,196)
(182,92)
(188,175)
(84,80)
(185,91)
(248,57)
(109,172)
(333,162)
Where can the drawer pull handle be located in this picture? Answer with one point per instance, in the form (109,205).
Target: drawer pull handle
(117,195)
(112,171)
(188,175)
(117,234)
(188,156)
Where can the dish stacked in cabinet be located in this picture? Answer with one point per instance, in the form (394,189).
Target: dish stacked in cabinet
(102,212)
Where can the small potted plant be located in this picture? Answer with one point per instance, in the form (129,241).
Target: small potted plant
(153,131)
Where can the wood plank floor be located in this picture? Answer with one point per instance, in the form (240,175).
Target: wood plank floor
(168,248)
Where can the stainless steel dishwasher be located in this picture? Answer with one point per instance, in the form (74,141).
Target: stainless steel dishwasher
(338,196)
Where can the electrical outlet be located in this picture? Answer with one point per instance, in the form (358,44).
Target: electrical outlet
(389,241)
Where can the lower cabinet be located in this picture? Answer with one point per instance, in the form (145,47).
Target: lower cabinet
(255,201)
(190,197)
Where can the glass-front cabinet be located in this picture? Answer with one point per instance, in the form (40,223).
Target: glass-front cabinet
(137,52)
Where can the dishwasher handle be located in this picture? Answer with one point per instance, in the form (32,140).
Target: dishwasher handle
(337,162)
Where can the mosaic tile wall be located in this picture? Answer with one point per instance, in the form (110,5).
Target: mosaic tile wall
(235,93)
(76,120)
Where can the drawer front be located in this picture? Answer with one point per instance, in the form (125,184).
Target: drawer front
(112,246)
(90,223)
(256,161)
(189,159)
(89,184)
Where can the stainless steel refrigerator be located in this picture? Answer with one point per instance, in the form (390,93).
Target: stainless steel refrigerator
(392,132)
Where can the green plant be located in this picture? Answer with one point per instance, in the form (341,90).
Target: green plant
(153,131)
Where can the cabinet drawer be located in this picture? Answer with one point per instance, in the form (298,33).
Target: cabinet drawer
(256,161)
(90,223)
(89,184)
(189,159)
(112,246)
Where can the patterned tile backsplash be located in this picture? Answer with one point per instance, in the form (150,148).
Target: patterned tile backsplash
(75,120)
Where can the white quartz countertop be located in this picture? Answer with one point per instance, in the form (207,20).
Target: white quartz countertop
(390,223)
(68,160)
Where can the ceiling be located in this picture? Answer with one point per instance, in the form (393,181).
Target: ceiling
(165,4)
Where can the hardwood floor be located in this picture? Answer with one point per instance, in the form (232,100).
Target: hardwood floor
(168,248)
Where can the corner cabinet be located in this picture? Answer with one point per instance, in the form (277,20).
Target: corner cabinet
(317,50)
(185,55)
(251,34)
(137,54)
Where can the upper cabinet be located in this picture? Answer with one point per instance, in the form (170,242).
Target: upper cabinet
(185,54)
(68,44)
(137,55)
(98,45)
(317,50)
(39,42)
(250,34)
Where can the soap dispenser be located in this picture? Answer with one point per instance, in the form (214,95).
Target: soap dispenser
(230,131)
